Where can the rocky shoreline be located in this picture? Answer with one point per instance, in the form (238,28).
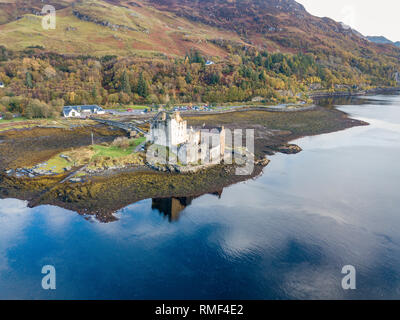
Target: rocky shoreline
(101,193)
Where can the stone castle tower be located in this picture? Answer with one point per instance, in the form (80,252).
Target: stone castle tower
(168,130)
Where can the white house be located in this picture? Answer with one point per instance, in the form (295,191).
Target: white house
(82,111)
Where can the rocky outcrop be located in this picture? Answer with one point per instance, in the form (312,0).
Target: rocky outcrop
(262,162)
(105,23)
(288,149)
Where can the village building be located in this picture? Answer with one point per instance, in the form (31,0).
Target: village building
(191,146)
(82,111)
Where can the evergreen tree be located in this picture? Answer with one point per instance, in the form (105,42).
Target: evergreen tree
(188,78)
(94,92)
(268,63)
(195,57)
(284,68)
(29,80)
(214,79)
(258,60)
(125,85)
(142,88)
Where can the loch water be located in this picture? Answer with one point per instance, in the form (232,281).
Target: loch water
(285,235)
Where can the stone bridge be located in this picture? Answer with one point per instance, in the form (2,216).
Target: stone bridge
(128,127)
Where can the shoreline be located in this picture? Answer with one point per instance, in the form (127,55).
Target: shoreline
(106,192)
(287,107)
(381,90)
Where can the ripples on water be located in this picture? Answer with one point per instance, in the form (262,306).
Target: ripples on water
(285,235)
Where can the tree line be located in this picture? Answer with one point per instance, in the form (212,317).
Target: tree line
(38,83)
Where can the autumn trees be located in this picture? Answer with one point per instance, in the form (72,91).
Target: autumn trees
(38,83)
(31,108)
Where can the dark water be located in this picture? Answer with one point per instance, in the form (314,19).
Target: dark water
(285,235)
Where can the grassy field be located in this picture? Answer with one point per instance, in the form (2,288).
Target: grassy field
(117,151)
(56,164)
(16,124)
(111,151)
(136,107)
(93,155)
(133,107)
(23,123)
(13,120)
(143,32)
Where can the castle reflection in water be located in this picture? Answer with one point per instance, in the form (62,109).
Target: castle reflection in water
(171,208)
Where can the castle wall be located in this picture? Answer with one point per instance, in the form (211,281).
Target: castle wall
(208,147)
(177,132)
(168,132)
(159,134)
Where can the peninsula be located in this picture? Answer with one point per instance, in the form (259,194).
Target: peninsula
(65,169)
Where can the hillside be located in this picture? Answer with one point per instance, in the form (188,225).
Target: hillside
(174,26)
(382,40)
(275,24)
(99,28)
(117,52)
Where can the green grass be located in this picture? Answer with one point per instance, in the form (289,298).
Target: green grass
(84,36)
(136,107)
(144,33)
(138,141)
(111,151)
(125,108)
(13,120)
(88,37)
(80,174)
(56,164)
(115,151)
(15,123)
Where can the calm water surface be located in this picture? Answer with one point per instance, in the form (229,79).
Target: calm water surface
(285,235)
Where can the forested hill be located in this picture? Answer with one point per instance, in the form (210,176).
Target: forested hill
(155,51)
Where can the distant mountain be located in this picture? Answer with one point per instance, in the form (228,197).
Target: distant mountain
(382,40)
(100,49)
(277,24)
(174,26)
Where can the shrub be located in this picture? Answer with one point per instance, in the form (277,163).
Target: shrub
(121,142)
(38,109)
(8,116)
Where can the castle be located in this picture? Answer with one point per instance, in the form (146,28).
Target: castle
(191,146)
